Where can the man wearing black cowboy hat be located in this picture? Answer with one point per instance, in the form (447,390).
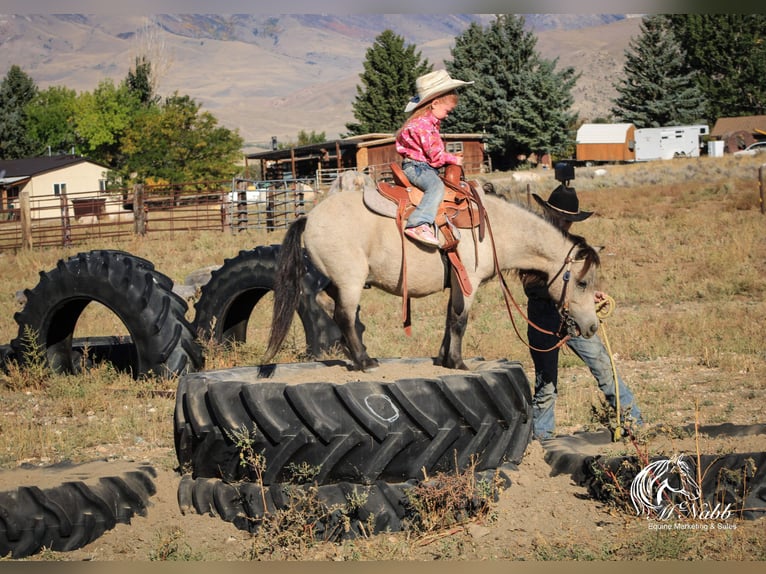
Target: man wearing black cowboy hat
(562,209)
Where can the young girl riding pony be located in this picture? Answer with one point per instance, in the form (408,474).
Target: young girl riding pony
(423,153)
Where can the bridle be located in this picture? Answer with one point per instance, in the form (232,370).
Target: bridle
(568,327)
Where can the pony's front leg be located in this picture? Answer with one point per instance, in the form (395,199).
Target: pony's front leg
(346,316)
(451,350)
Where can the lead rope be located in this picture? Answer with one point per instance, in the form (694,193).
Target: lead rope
(604,309)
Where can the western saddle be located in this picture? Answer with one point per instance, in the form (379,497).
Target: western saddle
(461,208)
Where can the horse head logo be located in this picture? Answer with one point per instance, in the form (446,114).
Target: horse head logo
(665,487)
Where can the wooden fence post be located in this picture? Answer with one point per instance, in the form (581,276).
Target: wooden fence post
(762,185)
(66,227)
(139,214)
(25,214)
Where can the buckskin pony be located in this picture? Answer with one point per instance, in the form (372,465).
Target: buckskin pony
(354,247)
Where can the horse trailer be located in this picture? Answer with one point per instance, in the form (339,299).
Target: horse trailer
(669,142)
(623,142)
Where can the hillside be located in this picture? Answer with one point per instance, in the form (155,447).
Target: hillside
(277,75)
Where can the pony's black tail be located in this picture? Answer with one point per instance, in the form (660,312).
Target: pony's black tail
(287,286)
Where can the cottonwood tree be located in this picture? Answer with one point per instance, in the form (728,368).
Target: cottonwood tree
(658,88)
(17,89)
(140,81)
(178,142)
(521,101)
(101,120)
(51,120)
(388,83)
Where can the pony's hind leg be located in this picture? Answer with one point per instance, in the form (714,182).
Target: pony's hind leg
(346,316)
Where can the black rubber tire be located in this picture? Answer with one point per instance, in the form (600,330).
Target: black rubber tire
(722,474)
(384,506)
(359,431)
(73,514)
(162,340)
(227,300)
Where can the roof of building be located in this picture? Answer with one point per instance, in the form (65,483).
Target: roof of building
(603,133)
(751,124)
(32,166)
(302,150)
(353,142)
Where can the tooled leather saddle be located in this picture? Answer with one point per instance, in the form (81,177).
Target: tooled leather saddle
(461,208)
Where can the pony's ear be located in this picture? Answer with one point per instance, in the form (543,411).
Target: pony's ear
(599,248)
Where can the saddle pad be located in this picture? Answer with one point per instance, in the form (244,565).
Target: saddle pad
(378,203)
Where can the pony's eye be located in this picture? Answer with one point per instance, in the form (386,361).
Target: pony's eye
(582,285)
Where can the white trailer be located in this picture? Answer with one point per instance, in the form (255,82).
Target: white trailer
(669,142)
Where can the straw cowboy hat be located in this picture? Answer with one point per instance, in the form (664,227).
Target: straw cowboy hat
(430,86)
(564,203)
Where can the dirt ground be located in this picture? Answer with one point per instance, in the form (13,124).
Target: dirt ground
(538,517)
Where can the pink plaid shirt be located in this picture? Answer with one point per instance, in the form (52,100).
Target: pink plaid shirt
(419,140)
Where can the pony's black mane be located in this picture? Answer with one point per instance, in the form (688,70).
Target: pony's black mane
(584,251)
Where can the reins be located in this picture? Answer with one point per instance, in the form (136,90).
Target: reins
(509,298)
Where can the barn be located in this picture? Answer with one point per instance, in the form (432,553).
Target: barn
(739,132)
(371,153)
(606,142)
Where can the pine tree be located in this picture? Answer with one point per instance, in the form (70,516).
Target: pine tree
(728,51)
(519,100)
(16,90)
(658,89)
(388,83)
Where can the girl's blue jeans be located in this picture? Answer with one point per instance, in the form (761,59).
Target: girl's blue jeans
(426,178)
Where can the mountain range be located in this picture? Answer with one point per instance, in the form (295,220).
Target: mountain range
(277,75)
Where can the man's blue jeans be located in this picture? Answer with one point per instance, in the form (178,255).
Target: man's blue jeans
(595,356)
(592,352)
(426,178)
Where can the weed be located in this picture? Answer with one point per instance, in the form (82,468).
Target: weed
(662,545)
(32,372)
(449,499)
(553,552)
(170,546)
(302,473)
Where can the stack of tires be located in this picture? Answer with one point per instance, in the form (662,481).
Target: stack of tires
(374,439)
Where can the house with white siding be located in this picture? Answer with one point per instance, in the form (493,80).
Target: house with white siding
(47,179)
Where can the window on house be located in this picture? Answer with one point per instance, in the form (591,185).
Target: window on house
(59,188)
(454,147)
(102,185)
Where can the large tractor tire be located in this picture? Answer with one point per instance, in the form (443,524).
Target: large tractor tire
(348,510)
(736,479)
(161,340)
(228,299)
(358,431)
(75,512)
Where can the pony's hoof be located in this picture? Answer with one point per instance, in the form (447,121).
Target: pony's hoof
(370,365)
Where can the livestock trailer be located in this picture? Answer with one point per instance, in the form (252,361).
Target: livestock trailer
(669,142)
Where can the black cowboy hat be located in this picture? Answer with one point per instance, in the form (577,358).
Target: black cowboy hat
(564,203)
